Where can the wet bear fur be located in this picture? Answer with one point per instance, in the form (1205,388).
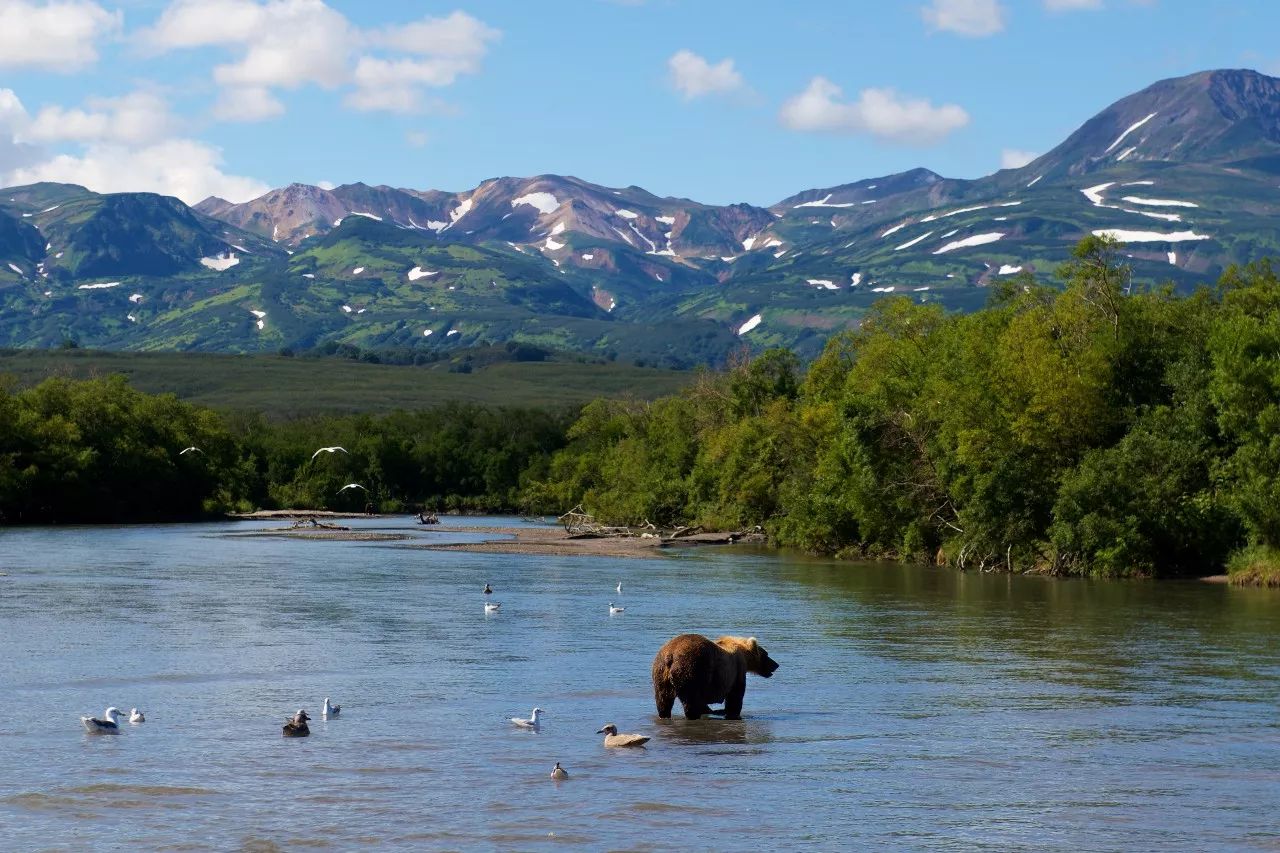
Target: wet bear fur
(699,673)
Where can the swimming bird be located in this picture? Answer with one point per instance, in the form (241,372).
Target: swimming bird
(612,738)
(559,773)
(189,450)
(531,723)
(135,716)
(351,486)
(109,726)
(613,609)
(491,606)
(330,710)
(619,587)
(488,590)
(334,449)
(297,725)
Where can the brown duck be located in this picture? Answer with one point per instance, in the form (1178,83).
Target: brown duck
(612,738)
(297,726)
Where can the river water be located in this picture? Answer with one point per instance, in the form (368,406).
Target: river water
(915,708)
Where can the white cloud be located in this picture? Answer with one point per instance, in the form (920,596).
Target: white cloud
(457,35)
(1071,5)
(694,77)
(326,185)
(185,168)
(881,113)
(14,121)
(1012,158)
(416,138)
(247,103)
(136,118)
(286,44)
(61,35)
(973,18)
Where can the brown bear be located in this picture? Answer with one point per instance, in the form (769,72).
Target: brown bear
(699,672)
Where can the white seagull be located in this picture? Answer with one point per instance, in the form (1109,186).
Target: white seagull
(619,587)
(109,726)
(333,449)
(613,609)
(491,606)
(351,486)
(531,723)
(190,449)
(330,710)
(135,716)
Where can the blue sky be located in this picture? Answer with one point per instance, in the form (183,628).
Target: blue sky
(715,100)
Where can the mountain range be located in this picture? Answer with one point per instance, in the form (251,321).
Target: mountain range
(1185,173)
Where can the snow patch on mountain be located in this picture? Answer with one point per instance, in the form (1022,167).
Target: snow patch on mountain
(545,203)
(975,240)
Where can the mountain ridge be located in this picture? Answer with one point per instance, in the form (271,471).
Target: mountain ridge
(1183,171)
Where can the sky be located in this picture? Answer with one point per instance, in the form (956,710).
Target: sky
(720,101)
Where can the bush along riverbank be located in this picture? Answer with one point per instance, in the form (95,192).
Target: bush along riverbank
(1097,429)
(100,451)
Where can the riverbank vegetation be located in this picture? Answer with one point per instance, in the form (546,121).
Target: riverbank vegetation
(98,450)
(1091,429)
(1096,429)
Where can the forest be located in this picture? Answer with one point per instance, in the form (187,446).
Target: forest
(1094,428)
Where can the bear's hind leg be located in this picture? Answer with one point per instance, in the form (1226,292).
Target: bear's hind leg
(664,699)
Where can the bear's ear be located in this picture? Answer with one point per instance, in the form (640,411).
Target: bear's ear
(751,643)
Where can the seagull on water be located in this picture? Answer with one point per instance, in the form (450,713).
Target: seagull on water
(559,773)
(613,739)
(619,587)
(491,606)
(334,449)
(190,449)
(351,486)
(614,609)
(330,710)
(109,726)
(135,716)
(531,723)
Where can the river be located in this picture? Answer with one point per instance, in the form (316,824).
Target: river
(915,708)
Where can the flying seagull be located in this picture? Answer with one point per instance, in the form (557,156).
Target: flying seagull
(351,486)
(333,449)
(190,449)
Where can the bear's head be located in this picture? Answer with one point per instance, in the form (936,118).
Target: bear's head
(758,660)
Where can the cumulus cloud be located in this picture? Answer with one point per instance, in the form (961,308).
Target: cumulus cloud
(14,121)
(1071,5)
(973,18)
(247,103)
(61,35)
(185,168)
(1013,158)
(135,118)
(286,44)
(693,77)
(881,113)
(124,144)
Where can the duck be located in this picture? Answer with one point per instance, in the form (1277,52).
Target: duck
(108,726)
(491,606)
(613,739)
(532,723)
(488,590)
(297,726)
(614,609)
(330,710)
(559,773)
(135,716)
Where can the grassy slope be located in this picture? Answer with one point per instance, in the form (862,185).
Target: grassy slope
(283,387)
